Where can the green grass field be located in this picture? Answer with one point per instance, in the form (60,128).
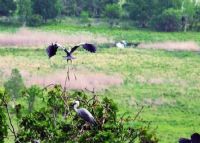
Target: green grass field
(167,83)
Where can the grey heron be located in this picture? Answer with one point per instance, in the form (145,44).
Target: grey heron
(84,113)
(52,49)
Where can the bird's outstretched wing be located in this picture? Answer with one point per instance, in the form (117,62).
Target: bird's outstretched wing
(89,47)
(51,50)
(74,48)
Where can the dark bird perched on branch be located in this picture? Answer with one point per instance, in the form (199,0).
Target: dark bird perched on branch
(195,138)
(52,49)
(84,113)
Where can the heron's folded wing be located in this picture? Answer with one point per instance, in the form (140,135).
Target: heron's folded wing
(86,115)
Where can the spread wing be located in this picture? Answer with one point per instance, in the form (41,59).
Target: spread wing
(51,50)
(89,47)
(74,48)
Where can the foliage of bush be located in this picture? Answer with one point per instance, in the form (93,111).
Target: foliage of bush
(31,94)
(3,125)
(169,20)
(15,84)
(58,122)
(35,20)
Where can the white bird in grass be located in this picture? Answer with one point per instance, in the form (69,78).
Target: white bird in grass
(121,44)
(84,113)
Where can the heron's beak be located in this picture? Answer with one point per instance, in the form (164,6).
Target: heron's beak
(72,105)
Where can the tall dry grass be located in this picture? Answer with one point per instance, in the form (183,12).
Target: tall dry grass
(172,46)
(27,37)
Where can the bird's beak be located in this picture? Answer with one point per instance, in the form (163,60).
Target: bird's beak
(72,105)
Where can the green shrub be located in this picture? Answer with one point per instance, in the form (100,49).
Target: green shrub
(32,92)
(3,125)
(169,20)
(56,121)
(15,84)
(35,20)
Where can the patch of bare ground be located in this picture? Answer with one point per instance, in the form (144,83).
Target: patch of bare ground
(172,46)
(27,37)
(81,80)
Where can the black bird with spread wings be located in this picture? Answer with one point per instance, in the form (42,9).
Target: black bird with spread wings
(52,49)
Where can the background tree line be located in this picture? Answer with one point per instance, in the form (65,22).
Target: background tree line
(162,15)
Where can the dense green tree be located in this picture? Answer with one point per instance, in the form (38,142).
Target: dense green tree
(7,7)
(48,9)
(196,19)
(143,11)
(95,8)
(112,11)
(166,4)
(140,10)
(24,9)
(169,20)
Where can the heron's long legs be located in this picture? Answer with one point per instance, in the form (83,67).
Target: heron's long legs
(72,69)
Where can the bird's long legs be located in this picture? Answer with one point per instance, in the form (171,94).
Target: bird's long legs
(72,68)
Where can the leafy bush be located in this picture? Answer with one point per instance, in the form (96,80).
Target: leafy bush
(56,121)
(15,84)
(31,93)
(35,20)
(169,20)
(3,127)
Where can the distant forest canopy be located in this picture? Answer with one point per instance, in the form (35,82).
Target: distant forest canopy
(162,15)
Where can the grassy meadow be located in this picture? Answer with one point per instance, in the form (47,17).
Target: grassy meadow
(167,83)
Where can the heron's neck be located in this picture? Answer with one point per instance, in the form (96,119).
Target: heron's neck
(75,107)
